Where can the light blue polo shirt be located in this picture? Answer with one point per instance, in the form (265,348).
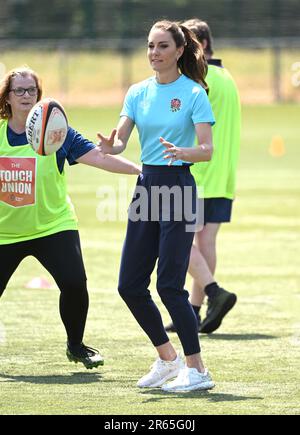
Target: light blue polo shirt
(169,111)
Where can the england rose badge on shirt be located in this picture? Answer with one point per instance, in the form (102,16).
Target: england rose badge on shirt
(175,105)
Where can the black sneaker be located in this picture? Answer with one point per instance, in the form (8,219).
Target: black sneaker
(171,327)
(88,356)
(217,309)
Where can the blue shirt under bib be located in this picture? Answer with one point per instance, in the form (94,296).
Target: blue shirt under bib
(169,111)
(75,146)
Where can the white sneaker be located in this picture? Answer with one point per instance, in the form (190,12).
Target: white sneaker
(161,372)
(189,379)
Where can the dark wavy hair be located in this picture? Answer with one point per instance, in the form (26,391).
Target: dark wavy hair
(192,63)
(5,84)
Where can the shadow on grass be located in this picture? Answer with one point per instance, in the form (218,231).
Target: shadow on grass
(238,337)
(73,379)
(209,396)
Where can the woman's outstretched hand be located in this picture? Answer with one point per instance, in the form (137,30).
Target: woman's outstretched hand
(171,152)
(106,143)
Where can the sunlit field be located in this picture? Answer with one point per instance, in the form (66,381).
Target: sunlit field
(254,357)
(101,77)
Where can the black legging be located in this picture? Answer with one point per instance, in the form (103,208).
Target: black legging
(61,255)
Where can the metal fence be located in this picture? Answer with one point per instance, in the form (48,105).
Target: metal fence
(80,19)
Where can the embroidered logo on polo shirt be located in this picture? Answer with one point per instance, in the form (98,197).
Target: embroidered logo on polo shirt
(175,105)
(17,181)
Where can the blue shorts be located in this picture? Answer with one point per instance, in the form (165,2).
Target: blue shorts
(217,210)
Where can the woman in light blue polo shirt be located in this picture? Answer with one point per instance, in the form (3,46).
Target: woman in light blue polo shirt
(169,110)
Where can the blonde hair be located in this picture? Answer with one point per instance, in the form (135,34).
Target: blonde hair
(5,84)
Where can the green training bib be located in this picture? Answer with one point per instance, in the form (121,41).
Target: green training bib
(218,177)
(33,194)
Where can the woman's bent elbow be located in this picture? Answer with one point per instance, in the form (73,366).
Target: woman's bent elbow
(209,154)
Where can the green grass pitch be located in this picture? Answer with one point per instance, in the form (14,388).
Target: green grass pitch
(254,357)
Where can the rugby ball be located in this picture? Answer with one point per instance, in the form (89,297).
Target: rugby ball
(46,127)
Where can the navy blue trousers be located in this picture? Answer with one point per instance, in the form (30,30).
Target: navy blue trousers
(168,241)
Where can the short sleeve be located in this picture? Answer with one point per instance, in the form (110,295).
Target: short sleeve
(75,146)
(202,111)
(128,106)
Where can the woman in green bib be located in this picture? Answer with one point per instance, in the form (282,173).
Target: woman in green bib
(36,215)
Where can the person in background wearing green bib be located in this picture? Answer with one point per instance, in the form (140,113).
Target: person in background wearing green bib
(36,215)
(217,180)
